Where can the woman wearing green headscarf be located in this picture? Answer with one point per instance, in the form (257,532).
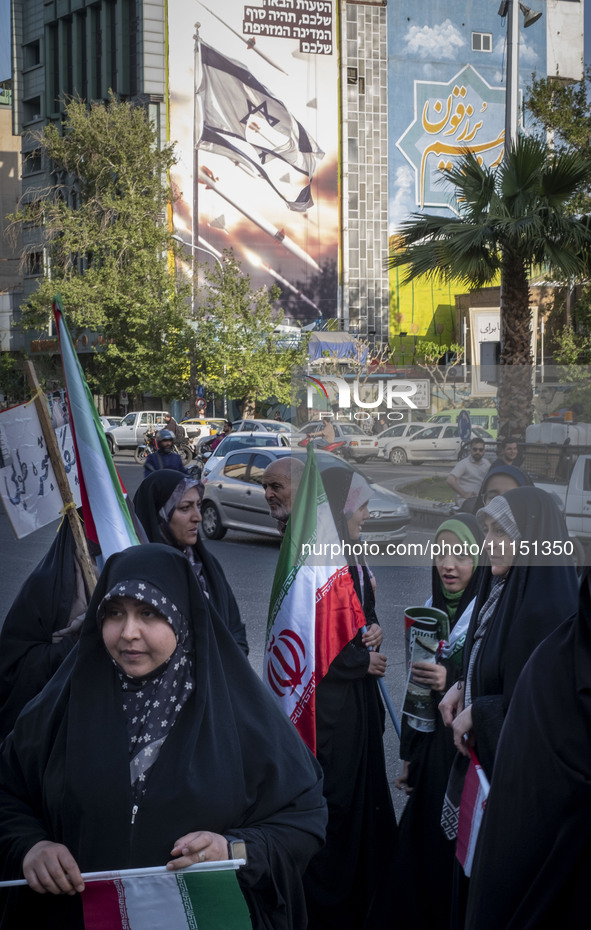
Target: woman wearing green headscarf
(423,865)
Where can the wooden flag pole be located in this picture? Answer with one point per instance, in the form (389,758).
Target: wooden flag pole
(70,510)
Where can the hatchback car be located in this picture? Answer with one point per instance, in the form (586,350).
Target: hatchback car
(234,497)
(432,443)
(244,440)
(358,445)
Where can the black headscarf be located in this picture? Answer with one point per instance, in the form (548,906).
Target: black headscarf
(512,471)
(153,509)
(533,859)
(539,593)
(233,764)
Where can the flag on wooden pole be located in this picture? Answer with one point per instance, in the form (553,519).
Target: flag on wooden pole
(314,610)
(103,503)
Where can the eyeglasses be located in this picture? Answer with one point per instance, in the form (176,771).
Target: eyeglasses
(477,448)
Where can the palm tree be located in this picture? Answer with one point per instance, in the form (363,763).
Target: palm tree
(511,219)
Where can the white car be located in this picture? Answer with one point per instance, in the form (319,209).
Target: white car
(432,443)
(243,441)
(390,437)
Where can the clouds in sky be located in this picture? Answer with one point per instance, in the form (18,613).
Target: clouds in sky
(441,42)
(403,201)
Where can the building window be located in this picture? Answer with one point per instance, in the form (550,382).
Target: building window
(34,264)
(32,54)
(31,109)
(32,162)
(482,42)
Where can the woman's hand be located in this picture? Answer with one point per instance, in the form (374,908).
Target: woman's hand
(202,846)
(430,674)
(402,781)
(373,637)
(377,664)
(51,867)
(452,703)
(463,732)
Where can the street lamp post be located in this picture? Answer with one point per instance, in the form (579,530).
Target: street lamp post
(211,252)
(510,9)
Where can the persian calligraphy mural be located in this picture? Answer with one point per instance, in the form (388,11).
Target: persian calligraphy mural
(446,73)
(464,113)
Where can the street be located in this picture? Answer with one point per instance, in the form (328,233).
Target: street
(249,563)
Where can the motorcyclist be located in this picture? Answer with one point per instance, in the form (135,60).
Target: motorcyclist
(165,456)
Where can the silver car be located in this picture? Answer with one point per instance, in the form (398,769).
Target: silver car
(234,497)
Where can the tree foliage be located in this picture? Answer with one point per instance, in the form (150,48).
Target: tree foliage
(564,112)
(235,349)
(510,219)
(104,222)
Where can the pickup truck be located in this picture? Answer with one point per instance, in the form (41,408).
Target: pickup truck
(564,471)
(130,432)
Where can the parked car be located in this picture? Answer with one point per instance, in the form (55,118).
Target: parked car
(133,427)
(388,439)
(197,427)
(110,421)
(234,497)
(358,445)
(273,426)
(244,440)
(437,442)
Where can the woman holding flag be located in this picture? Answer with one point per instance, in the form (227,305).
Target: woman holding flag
(219,763)
(341,879)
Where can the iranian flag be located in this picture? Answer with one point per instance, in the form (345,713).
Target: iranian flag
(314,610)
(106,515)
(181,900)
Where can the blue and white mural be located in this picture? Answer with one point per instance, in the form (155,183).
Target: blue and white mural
(447,66)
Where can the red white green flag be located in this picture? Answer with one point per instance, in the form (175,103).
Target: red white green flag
(107,518)
(314,610)
(185,900)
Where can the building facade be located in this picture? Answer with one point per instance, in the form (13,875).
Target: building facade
(389,92)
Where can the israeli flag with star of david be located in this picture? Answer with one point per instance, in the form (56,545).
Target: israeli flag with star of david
(242,120)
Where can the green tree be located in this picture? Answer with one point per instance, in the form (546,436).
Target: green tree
(564,111)
(235,349)
(511,220)
(104,224)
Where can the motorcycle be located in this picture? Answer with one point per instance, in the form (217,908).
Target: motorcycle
(185,448)
(337,447)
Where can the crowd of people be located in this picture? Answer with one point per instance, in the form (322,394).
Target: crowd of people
(135,732)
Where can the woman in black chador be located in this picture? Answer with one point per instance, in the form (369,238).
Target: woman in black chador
(533,860)
(168,506)
(41,626)
(341,879)
(156,669)
(530,588)
(419,884)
